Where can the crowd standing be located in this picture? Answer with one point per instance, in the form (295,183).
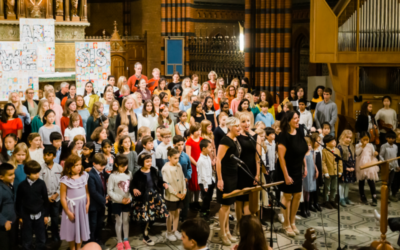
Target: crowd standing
(146,150)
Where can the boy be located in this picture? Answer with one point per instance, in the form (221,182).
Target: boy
(143,131)
(271,153)
(50,173)
(184,160)
(387,118)
(305,115)
(326,111)
(32,206)
(158,141)
(388,151)
(329,171)
(98,200)
(205,177)
(8,224)
(148,146)
(326,130)
(264,116)
(161,151)
(195,233)
(56,141)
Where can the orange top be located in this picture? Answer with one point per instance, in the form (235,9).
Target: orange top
(132,81)
(152,84)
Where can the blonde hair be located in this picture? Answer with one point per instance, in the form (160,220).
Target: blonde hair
(202,85)
(260,124)
(40,107)
(18,148)
(121,81)
(218,80)
(18,108)
(308,140)
(172,101)
(243,116)
(232,121)
(235,80)
(143,130)
(184,83)
(185,98)
(345,133)
(250,97)
(123,112)
(397,131)
(134,97)
(212,72)
(260,132)
(125,88)
(204,124)
(47,93)
(240,89)
(111,112)
(48,87)
(83,101)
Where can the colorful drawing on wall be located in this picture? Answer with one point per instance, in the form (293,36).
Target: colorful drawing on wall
(92,62)
(41,32)
(18,69)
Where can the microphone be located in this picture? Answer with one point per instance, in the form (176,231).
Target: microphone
(237,159)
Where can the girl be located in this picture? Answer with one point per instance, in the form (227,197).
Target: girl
(366,154)
(317,97)
(137,103)
(124,148)
(107,88)
(75,200)
(195,84)
(50,96)
(253,107)
(111,81)
(197,113)
(317,157)
(175,81)
(182,125)
(106,149)
(209,111)
(365,120)
(127,117)
(162,88)
(265,96)
(19,158)
(244,109)
(220,83)
(260,124)
(235,83)
(156,102)
(286,108)
(98,136)
(94,119)
(252,235)
(246,84)
(112,117)
(49,127)
(121,131)
(121,81)
(89,96)
(10,122)
(212,76)
(104,122)
(205,87)
(177,92)
(70,108)
(349,176)
(35,150)
(118,190)
(300,95)
(219,94)
(165,120)
(224,107)
(148,118)
(71,95)
(186,96)
(146,94)
(193,151)
(148,205)
(309,182)
(77,145)
(37,121)
(230,93)
(175,192)
(291,99)
(108,100)
(207,133)
(164,99)
(87,156)
(221,130)
(235,102)
(10,141)
(186,83)
(82,109)
(21,110)
(174,109)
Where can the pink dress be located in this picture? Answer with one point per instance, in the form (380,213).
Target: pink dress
(366,156)
(78,230)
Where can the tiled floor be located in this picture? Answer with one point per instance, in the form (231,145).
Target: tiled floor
(358,228)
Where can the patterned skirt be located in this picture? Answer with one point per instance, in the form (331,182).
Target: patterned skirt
(150,210)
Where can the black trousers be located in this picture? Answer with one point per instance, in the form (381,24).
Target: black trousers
(206,196)
(96,221)
(394,225)
(30,227)
(8,239)
(396,183)
(371,184)
(54,211)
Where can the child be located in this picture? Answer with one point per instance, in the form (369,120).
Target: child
(118,190)
(264,116)
(388,151)
(175,192)
(144,187)
(148,146)
(87,156)
(97,189)
(148,118)
(49,127)
(32,206)
(209,111)
(205,177)
(197,113)
(182,125)
(94,119)
(121,131)
(317,154)
(74,127)
(77,145)
(35,151)
(221,130)
(387,118)
(8,234)
(165,120)
(195,233)
(98,136)
(50,173)
(10,141)
(74,219)
(124,147)
(366,154)
(349,175)
(207,133)
(329,170)
(56,141)
(271,152)
(260,125)
(277,127)
(19,158)
(309,182)
(106,148)
(396,184)
(143,131)
(161,151)
(326,130)
(105,123)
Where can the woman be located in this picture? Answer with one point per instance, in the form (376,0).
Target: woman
(252,235)
(108,99)
(174,109)
(146,94)
(82,109)
(300,95)
(253,107)
(156,102)
(227,173)
(50,96)
(21,110)
(94,119)
(30,104)
(148,118)
(10,122)
(37,121)
(244,109)
(291,98)
(127,116)
(112,117)
(265,96)
(71,95)
(220,83)
(230,93)
(235,102)
(365,120)
(219,94)
(317,97)
(175,81)
(186,98)
(70,107)
(195,84)
(162,88)
(89,96)
(292,148)
(47,88)
(235,83)
(212,76)
(186,83)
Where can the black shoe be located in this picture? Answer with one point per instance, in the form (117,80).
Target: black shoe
(306,209)
(312,208)
(264,223)
(197,205)
(334,205)
(231,218)
(318,207)
(193,207)
(302,212)
(328,205)
(374,202)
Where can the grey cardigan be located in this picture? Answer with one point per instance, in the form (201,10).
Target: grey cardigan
(132,162)
(7,207)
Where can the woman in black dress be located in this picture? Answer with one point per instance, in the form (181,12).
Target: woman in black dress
(250,158)
(292,149)
(227,172)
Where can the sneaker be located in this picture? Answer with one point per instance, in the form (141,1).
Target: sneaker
(148,241)
(178,235)
(171,237)
(120,246)
(343,203)
(127,246)
(348,202)
(393,198)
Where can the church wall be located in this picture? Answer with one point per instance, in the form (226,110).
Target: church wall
(151,23)
(102,16)
(137,13)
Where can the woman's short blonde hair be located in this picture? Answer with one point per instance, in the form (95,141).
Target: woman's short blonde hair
(232,121)
(212,72)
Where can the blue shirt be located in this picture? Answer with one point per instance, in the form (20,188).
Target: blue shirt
(57,159)
(183,107)
(138,110)
(184,160)
(267,119)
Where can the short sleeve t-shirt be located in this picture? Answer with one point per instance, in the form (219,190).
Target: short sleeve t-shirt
(11,126)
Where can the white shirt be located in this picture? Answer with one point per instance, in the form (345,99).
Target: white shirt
(87,99)
(183,128)
(162,152)
(37,155)
(306,119)
(51,178)
(71,133)
(204,171)
(271,154)
(149,121)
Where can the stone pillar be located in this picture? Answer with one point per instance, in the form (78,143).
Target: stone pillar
(59,10)
(67,7)
(49,9)
(84,11)
(1,10)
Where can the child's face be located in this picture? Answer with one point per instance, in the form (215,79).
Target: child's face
(285,108)
(264,110)
(86,151)
(57,143)
(277,130)
(174,159)
(33,177)
(210,103)
(166,139)
(146,133)
(316,144)
(78,145)
(271,136)
(179,146)
(76,169)
(106,123)
(183,118)
(20,157)
(158,134)
(126,144)
(309,146)
(326,130)
(302,106)
(107,149)
(50,118)
(197,133)
(165,113)
(390,140)
(262,136)
(147,163)
(347,139)
(76,123)
(8,176)
(149,146)
(124,132)
(386,102)
(364,140)
(115,106)
(36,142)
(209,129)
(331,144)
(122,168)
(222,121)
(48,158)
(99,167)
(103,135)
(207,150)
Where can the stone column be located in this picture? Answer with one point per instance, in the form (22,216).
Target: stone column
(49,9)
(59,10)
(83,11)
(1,10)
(67,14)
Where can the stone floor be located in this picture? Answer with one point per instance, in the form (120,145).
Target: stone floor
(358,228)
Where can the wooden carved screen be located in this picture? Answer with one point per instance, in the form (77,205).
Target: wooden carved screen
(118,66)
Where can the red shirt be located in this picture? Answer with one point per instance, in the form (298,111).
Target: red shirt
(132,82)
(11,126)
(64,122)
(213,86)
(152,84)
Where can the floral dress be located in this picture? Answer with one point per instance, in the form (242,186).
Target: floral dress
(347,153)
